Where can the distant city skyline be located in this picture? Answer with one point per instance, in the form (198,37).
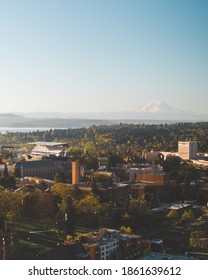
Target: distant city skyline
(103,56)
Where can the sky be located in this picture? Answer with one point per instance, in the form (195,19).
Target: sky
(103,55)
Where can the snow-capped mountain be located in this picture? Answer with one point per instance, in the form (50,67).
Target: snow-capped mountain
(154,111)
(157,106)
(160,110)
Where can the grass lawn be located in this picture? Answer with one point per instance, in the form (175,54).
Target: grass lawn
(37,236)
(29,224)
(80,229)
(29,250)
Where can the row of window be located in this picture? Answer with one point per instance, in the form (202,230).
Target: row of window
(115,244)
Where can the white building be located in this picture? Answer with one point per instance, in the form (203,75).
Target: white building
(48,149)
(187,150)
(107,247)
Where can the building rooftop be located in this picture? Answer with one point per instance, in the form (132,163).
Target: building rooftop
(49,149)
(171,206)
(179,206)
(161,256)
(128,236)
(157,241)
(35,163)
(48,143)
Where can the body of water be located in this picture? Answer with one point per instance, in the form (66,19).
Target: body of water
(81,124)
(4,130)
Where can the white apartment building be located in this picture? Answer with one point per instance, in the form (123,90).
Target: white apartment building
(107,247)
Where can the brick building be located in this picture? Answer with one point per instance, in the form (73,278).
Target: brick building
(40,168)
(155,182)
(44,160)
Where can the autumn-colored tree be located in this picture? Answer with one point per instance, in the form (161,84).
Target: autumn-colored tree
(194,240)
(188,215)
(127,230)
(173,216)
(62,190)
(89,204)
(63,196)
(10,204)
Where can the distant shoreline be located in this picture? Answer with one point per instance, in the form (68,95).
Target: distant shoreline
(4,130)
(85,124)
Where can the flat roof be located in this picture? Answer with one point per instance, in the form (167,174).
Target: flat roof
(48,143)
(157,241)
(161,256)
(179,206)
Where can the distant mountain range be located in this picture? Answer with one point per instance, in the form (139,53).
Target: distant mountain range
(154,112)
(163,111)
(18,121)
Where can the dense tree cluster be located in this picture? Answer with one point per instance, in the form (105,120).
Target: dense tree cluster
(118,142)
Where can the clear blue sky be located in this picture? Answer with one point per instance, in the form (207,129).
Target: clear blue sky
(103,55)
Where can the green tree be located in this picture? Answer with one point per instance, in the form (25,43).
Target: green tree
(187,172)
(28,205)
(45,206)
(149,199)
(2,188)
(88,210)
(59,177)
(61,192)
(140,215)
(6,173)
(110,215)
(8,182)
(89,204)
(17,172)
(114,159)
(172,166)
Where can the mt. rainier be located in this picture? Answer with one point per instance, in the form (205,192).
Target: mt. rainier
(157,106)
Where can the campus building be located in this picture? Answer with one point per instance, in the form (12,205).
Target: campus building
(44,160)
(151,179)
(187,150)
(107,244)
(45,169)
(48,149)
